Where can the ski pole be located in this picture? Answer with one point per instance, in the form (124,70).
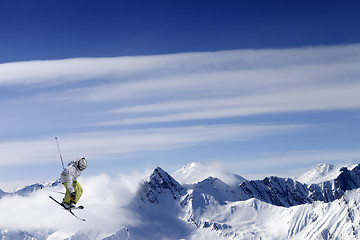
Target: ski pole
(57,143)
(47,189)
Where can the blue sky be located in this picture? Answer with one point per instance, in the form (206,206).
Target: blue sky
(132,85)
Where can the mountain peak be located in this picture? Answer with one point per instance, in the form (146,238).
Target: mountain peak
(2,193)
(321,173)
(160,171)
(160,186)
(192,166)
(161,178)
(324,168)
(196,172)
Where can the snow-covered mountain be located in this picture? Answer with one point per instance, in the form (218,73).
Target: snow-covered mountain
(197,171)
(25,191)
(272,208)
(322,173)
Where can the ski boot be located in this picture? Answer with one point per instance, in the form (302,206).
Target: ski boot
(68,206)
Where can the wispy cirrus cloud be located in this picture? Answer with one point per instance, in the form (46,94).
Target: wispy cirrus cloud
(98,145)
(193,86)
(241,62)
(218,83)
(321,98)
(93,101)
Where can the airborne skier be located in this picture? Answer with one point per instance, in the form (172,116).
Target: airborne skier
(69,179)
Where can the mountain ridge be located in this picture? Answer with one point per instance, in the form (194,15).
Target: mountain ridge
(212,193)
(272,208)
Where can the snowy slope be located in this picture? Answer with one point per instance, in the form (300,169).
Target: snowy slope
(272,208)
(253,219)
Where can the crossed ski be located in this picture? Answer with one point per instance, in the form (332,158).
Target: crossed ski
(69,209)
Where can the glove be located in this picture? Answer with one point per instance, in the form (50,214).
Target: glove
(73,196)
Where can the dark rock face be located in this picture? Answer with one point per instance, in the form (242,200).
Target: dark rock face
(277,191)
(287,192)
(160,186)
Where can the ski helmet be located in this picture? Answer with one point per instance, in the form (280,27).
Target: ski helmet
(82,164)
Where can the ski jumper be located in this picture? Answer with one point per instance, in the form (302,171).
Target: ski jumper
(69,179)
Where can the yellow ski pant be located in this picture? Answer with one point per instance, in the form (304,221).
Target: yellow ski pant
(78,192)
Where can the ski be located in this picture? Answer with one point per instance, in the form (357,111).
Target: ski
(78,207)
(70,209)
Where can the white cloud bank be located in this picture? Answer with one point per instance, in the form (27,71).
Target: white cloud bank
(105,199)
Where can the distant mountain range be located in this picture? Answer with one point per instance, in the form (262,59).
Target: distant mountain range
(31,188)
(321,204)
